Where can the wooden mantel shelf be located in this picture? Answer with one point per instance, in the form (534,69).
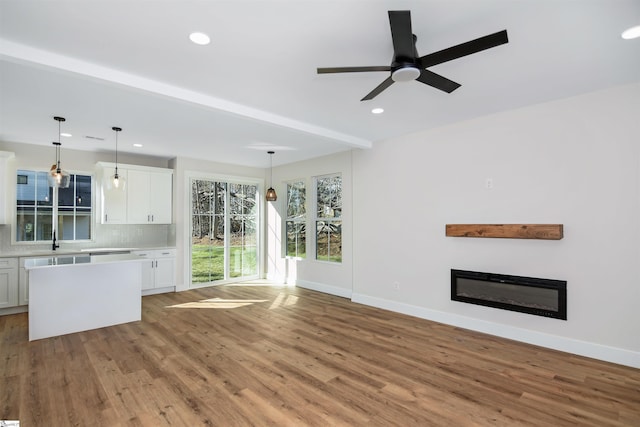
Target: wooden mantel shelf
(507,231)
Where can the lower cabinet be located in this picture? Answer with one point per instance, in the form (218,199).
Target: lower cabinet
(8,282)
(158,271)
(23,285)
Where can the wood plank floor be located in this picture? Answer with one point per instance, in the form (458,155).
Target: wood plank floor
(265,355)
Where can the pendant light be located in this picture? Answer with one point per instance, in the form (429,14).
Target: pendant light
(57,176)
(117,181)
(271,193)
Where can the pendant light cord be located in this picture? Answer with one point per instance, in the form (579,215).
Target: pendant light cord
(271,168)
(59,120)
(117,130)
(116,152)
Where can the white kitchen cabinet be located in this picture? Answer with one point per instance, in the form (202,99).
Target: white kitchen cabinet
(138,197)
(5,158)
(146,199)
(8,282)
(158,271)
(23,284)
(114,201)
(161,191)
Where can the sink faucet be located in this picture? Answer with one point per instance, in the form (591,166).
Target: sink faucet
(54,246)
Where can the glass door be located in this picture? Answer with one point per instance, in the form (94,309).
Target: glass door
(224,231)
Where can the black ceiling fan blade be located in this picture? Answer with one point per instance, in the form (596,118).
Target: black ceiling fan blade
(464,49)
(401,33)
(437,81)
(327,70)
(382,86)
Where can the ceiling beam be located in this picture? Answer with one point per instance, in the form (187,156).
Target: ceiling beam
(17,52)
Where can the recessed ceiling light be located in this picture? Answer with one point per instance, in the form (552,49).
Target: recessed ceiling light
(631,33)
(67,135)
(199,38)
(137,145)
(377,110)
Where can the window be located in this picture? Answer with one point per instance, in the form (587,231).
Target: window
(329,218)
(34,208)
(224,231)
(295,223)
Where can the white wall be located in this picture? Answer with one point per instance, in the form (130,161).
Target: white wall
(575,161)
(330,277)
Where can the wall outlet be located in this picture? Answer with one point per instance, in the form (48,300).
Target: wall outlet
(488,183)
(396,286)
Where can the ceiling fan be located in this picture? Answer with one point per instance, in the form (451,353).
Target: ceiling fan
(407,65)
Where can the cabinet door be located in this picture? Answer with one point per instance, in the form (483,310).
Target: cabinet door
(138,197)
(161,191)
(114,201)
(8,282)
(23,287)
(148,268)
(4,184)
(165,270)
(148,274)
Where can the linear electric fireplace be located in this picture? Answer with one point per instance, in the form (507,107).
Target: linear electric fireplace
(542,297)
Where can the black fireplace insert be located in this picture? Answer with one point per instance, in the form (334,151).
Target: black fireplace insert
(542,297)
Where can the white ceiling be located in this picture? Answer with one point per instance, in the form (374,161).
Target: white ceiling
(129,63)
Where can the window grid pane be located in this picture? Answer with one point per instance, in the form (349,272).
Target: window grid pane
(328,214)
(295,224)
(34,203)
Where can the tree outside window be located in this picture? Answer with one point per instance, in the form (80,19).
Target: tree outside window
(295,223)
(329,218)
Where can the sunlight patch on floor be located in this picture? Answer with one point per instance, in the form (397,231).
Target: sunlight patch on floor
(261,282)
(283,300)
(217,303)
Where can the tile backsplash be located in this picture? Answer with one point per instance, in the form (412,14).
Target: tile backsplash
(115,236)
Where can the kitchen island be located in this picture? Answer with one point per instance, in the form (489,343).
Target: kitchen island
(77,293)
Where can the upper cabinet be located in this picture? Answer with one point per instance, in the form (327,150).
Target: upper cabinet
(114,201)
(5,158)
(146,203)
(146,198)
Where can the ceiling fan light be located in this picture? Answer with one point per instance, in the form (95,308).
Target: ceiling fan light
(406,74)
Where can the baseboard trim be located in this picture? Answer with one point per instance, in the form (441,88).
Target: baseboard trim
(14,310)
(577,347)
(154,291)
(327,289)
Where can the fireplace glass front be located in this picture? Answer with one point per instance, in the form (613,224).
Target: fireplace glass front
(542,297)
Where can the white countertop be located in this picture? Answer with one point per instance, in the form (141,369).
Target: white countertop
(68,260)
(67,252)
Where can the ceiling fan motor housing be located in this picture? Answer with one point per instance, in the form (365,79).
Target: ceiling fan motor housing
(405,73)
(406,69)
